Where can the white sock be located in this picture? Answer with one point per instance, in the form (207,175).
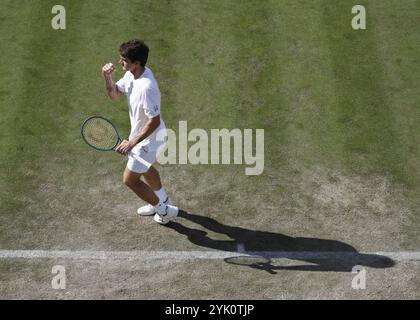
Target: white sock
(162,195)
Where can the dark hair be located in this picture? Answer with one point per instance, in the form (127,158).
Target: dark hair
(135,50)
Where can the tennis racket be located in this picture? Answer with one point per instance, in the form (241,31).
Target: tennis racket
(102,135)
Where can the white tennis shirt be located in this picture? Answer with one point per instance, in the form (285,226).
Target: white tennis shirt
(143,97)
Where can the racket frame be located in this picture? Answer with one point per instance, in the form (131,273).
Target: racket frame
(119,140)
(115,128)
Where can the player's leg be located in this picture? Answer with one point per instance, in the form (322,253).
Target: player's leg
(141,189)
(149,152)
(152,178)
(164,212)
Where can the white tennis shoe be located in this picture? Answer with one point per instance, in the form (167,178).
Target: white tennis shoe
(149,210)
(146,210)
(165,213)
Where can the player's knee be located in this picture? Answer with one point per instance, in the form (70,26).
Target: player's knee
(128,181)
(125,180)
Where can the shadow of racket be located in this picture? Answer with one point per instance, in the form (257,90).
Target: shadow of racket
(256,262)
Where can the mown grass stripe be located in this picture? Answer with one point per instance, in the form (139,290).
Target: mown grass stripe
(364,115)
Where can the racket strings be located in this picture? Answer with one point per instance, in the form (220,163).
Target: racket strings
(100,134)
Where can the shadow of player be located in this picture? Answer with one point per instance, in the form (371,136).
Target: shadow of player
(321,254)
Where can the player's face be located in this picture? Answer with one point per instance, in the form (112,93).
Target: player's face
(126,64)
(123,62)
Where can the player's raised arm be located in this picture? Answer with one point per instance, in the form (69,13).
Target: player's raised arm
(112,90)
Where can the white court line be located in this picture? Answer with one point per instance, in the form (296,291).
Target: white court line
(185,255)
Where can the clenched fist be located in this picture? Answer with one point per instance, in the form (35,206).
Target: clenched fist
(108,70)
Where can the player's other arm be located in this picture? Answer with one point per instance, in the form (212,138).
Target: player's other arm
(111,88)
(149,127)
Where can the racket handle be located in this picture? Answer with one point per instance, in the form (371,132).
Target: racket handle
(139,159)
(135,156)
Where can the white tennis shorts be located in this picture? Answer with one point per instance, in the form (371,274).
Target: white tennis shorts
(149,152)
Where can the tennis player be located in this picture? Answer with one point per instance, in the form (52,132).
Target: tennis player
(143,96)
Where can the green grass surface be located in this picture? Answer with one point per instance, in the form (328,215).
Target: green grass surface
(339,108)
